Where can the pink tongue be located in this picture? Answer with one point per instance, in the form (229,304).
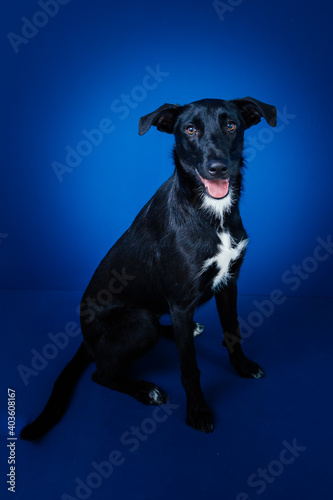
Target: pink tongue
(216,189)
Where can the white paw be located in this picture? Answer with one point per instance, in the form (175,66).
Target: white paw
(260,374)
(198,329)
(157,397)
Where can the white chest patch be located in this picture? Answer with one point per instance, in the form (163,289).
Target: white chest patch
(227,252)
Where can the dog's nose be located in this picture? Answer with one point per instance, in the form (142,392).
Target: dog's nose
(216,168)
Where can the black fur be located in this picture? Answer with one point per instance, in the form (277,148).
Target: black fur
(161,263)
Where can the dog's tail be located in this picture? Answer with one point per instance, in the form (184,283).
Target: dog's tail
(60,396)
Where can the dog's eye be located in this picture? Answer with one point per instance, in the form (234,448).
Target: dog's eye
(231,126)
(191,130)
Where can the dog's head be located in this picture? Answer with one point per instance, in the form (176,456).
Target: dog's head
(209,138)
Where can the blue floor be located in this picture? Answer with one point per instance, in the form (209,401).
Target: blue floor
(272,438)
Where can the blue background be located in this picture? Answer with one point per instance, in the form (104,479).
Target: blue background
(69,77)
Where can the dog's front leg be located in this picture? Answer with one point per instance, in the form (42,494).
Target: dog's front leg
(226,301)
(199,415)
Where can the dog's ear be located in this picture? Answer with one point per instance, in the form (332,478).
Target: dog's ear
(253,110)
(164,118)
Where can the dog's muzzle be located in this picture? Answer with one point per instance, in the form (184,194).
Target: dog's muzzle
(216,188)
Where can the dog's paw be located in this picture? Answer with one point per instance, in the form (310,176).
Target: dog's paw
(200,419)
(149,394)
(197,329)
(157,397)
(259,373)
(247,368)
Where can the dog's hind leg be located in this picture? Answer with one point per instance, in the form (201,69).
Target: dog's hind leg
(117,341)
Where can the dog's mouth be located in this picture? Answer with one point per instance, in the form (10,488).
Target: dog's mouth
(216,188)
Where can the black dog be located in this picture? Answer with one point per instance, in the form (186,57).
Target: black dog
(186,245)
